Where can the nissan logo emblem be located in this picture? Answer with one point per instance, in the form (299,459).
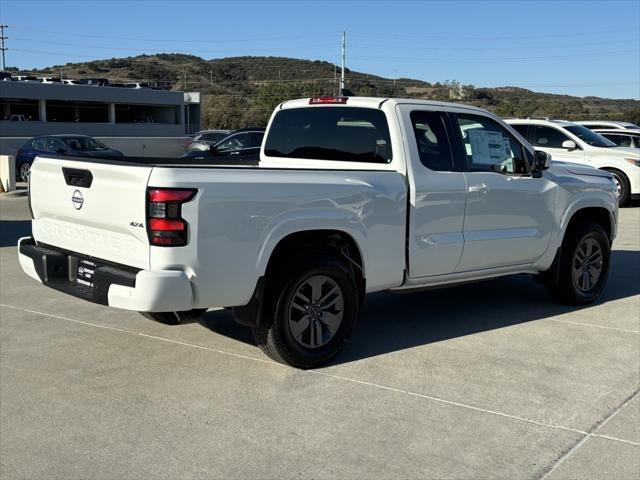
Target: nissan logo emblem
(77,200)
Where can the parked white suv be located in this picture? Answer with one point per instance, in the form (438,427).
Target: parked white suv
(607,124)
(570,142)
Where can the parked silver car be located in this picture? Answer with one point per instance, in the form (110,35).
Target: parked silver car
(204,139)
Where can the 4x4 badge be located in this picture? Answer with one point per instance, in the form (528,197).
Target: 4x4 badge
(77,199)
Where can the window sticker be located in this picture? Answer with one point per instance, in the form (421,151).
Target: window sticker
(487,147)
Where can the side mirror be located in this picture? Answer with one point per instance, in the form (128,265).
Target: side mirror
(569,145)
(542,160)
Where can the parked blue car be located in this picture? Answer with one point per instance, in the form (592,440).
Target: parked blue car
(72,145)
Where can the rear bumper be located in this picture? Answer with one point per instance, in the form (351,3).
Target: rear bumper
(119,287)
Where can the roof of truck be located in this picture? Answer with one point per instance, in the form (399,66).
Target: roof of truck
(371,102)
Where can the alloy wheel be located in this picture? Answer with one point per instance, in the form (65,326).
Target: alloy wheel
(587,264)
(316,311)
(24,172)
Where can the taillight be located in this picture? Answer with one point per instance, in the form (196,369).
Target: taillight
(165,225)
(328,100)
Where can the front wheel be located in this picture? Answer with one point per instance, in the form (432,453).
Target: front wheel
(584,265)
(175,318)
(23,172)
(623,188)
(313,317)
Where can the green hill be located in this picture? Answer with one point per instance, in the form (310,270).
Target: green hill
(242,91)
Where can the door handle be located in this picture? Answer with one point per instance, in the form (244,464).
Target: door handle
(480,188)
(234,153)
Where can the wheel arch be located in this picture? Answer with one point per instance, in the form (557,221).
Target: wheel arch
(599,214)
(320,241)
(312,241)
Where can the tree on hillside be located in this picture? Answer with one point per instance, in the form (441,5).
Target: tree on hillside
(224,111)
(632,116)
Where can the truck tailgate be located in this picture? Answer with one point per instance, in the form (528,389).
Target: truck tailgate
(92,208)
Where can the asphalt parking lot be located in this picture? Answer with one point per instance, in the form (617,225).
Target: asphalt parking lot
(490,380)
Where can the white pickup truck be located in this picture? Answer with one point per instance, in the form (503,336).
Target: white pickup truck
(351,196)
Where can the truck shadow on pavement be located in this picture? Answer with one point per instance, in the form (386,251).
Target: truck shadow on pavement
(393,322)
(12,230)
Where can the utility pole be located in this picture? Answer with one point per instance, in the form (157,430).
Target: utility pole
(210,76)
(344,48)
(3,48)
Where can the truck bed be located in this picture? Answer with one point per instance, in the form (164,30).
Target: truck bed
(162,162)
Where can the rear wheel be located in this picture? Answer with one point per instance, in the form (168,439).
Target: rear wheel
(584,265)
(314,315)
(175,318)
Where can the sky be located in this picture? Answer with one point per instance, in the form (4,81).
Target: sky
(576,47)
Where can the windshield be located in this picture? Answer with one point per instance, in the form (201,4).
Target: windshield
(590,137)
(84,144)
(631,126)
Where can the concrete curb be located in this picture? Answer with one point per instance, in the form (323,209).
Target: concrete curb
(14,193)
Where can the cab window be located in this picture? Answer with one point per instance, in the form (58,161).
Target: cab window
(348,134)
(432,141)
(490,147)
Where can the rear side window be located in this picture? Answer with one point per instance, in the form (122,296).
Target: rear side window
(432,141)
(40,144)
(213,137)
(256,139)
(522,130)
(620,140)
(347,134)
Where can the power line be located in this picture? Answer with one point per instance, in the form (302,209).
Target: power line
(165,40)
(494,59)
(559,46)
(191,52)
(493,37)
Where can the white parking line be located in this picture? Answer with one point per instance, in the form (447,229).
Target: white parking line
(341,378)
(591,433)
(593,325)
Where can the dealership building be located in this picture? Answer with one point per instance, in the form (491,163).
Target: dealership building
(127,116)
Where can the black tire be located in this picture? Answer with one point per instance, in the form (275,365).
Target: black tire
(275,336)
(565,286)
(623,186)
(23,172)
(175,318)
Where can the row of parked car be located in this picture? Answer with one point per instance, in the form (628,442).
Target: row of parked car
(99,82)
(611,146)
(601,144)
